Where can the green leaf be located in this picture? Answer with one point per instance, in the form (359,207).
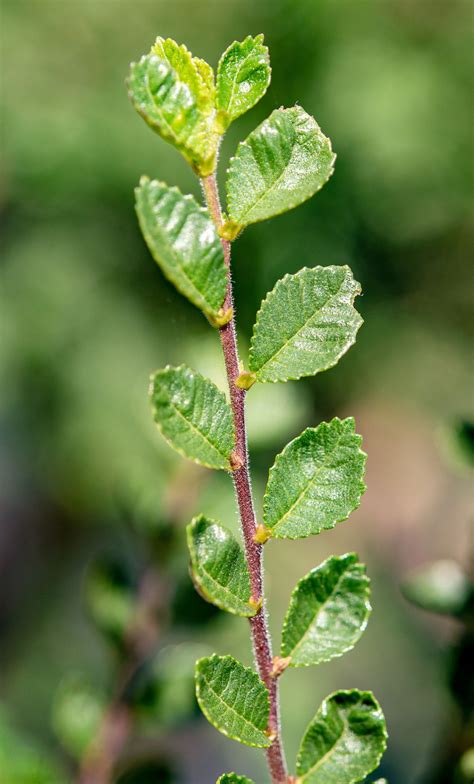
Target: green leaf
(183,240)
(328,612)
(193,416)
(281,164)
(174,93)
(219,566)
(305,324)
(233,778)
(316,481)
(78,710)
(345,740)
(243,76)
(233,699)
(441,587)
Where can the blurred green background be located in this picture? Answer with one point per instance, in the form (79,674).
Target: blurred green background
(86,316)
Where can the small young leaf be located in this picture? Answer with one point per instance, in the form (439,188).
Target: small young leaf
(345,740)
(316,481)
(233,778)
(243,76)
(183,240)
(233,699)
(193,416)
(78,710)
(219,566)
(328,612)
(174,93)
(305,324)
(281,164)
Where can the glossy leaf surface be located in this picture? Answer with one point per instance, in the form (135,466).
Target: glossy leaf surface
(174,93)
(345,740)
(328,612)
(316,481)
(305,324)
(219,566)
(243,76)
(193,416)
(183,240)
(233,778)
(233,699)
(281,164)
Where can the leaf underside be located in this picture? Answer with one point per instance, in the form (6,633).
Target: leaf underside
(316,481)
(219,566)
(281,164)
(243,76)
(233,699)
(174,93)
(328,612)
(183,240)
(305,324)
(193,416)
(345,740)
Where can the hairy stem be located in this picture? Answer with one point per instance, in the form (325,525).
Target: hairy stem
(241,476)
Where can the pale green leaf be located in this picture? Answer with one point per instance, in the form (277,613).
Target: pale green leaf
(305,324)
(233,699)
(183,240)
(174,93)
(328,612)
(219,567)
(78,710)
(316,481)
(345,740)
(243,76)
(193,416)
(281,164)
(442,587)
(233,778)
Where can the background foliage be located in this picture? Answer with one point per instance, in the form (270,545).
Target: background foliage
(86,315)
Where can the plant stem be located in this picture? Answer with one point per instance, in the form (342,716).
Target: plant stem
(241,476)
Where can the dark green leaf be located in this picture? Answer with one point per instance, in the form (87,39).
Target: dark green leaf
(316,481)
(280,165)
(219,566)
(243,76)
(183,240)
(305,324)
(233,699)
(328,612)
(345,740)
(233,778)
(193,415)
(174,93)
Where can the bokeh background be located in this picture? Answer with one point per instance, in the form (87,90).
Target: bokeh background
(86,316)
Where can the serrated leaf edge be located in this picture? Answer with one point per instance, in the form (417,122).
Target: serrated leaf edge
(189,536)
(362,485)
(355,560)
(291,205)
(345,692)
(145,180)
(206,714)
(274,291)
(168,441)
(258,39)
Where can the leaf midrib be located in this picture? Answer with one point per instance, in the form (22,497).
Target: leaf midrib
(202,435)
(303,326)
(234,81)
(229,707)
(311,482)
(222,587)
(320,609)
(329,753)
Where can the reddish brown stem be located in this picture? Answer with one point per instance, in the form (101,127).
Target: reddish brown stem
(241,476)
